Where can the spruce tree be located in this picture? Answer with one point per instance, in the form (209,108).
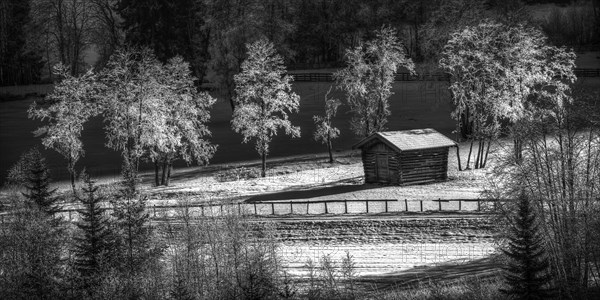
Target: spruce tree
(92,246)
(180,290)
(526,273)
(38,192)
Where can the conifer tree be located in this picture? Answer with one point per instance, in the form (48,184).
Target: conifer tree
(527,270)
(38,192)
(33,242)
(180,291)
(92,246)
(135,251)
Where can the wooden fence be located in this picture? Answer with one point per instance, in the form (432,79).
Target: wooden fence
(317,207)
(587,72)
(328,77)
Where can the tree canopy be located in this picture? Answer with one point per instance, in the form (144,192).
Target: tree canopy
(264,98)
(367,79)
(71,104)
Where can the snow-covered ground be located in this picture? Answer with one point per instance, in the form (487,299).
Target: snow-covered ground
(378,258)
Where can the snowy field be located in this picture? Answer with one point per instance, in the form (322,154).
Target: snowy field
(379,258)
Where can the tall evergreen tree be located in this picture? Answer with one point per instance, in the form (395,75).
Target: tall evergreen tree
(38,192)
(134,249)
(20,62)
(92,246)
(35,239)
(526,273)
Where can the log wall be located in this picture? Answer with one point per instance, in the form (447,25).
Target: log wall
(418,166)
(425,165)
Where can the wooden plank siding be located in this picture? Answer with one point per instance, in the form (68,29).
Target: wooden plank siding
(426,165)
(416,166)
(405,157)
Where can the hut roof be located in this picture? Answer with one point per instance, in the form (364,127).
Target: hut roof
(407,140)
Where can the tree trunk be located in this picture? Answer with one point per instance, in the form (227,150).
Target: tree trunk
(477,156)
(169,168)
(164,171)
(156,169)
(72,176)
(458,157)
(232,104)
(263,172)
(71,169)
(487,152)
(330,153)
(469,157)
(518,149)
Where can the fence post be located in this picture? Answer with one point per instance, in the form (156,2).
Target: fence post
(255,209)
(221,209)
(326,210)
(239,208)
(386,206)
(70,216)
(291,208)
(459,205)
(202,210)
(421,204)
(272,208)
(478,205)
(440,203)
(307,207)
(154,208)
(346,206)
(367,203)
(406,204)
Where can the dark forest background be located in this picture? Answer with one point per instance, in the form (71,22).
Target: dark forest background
(211,34)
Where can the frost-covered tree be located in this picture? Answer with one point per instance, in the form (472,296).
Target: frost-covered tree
(132,105)
(504,73)
(232,25)
(153,111)
(325,131)
(69,106)
(368,77)
(263,98)
(184,130)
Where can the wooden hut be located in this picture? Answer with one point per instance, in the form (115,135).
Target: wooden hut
(403,157)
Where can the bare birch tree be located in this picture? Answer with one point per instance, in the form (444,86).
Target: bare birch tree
(69,106)
(325,131)
(263,98)
(368,77)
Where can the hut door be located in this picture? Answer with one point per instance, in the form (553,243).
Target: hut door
(382,168)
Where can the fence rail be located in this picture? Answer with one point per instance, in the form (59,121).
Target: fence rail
(317,207)
(587,72)
(299,77)
(403,76)
(328,77)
